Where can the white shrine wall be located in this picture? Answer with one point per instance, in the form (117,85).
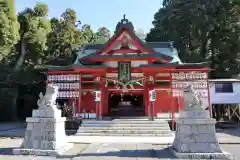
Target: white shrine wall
(225,98)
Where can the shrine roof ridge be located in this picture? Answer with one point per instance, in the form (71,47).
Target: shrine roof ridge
(184,65)
(156,54)
(150,44)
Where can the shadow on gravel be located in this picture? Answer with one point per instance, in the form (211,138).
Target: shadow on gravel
(6,151)
(161,153)
(230,128)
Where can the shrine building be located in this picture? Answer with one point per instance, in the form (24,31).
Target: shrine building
(124,70)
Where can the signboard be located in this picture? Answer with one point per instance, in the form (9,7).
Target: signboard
(152,95)
(124,71)
(97,96)
(198,79)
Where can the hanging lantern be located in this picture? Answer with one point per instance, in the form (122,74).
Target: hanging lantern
(49,78)
(59,85)
(121,95)
(106,84)
(78,77)
(77,94)
(66,77)
(75,85)
(59,94)
(68,85)
(151,78)
(53,77)
(97,79)
(58,77)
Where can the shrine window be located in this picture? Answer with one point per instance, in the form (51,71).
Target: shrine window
(223,88)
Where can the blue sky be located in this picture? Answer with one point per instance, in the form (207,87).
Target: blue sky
(100,13)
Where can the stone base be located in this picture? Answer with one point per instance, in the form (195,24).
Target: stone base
(224,155)
(196,138)
(40,152)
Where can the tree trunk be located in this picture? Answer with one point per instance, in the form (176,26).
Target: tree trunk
(14,75)
(22,55)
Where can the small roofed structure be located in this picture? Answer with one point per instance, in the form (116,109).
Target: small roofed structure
(225,98)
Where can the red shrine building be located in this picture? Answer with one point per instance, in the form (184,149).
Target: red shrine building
(122,72)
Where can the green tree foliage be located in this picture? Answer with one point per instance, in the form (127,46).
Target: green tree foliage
(34,30)
(205,30)
(65,37)
(103,35)
(88,34)
(9,27)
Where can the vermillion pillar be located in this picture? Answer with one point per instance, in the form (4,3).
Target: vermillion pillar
(101,103)
(146,96)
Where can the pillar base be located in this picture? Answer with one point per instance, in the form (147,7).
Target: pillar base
(45,134)
(222,155)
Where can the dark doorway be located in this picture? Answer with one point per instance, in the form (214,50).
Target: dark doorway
(126,105)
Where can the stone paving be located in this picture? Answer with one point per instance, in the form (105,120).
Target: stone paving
(229,139)
(105,151)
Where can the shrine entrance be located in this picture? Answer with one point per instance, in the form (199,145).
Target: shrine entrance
(126,105)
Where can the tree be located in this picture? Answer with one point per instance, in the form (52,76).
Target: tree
(68,35)
(65,37)
(205,30)
(9,27)
(88,34)
(103,35)
(34,28)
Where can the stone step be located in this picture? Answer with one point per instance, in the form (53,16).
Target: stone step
(125,128)
(126,131)
(126,134)
(126,125)
(125,122)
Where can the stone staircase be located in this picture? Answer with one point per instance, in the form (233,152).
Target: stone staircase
(125,127)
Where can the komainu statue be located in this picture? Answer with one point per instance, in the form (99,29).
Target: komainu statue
(49,99)
(192,98)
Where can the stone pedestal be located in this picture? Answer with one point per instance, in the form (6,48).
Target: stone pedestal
(45,133)
(196,137)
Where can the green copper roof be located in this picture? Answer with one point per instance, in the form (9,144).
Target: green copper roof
(172,52)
